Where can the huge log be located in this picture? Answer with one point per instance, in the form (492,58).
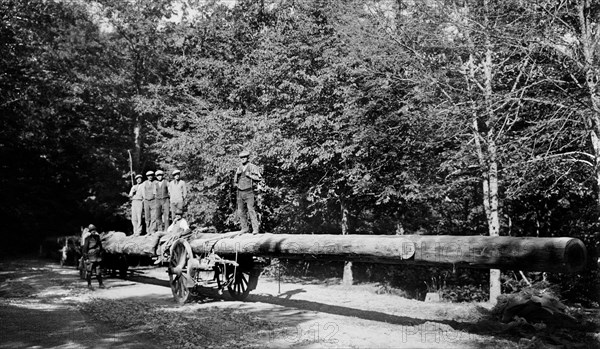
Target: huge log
(117,243)
(562,255)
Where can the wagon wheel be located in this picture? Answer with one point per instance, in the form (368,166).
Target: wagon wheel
(239,280)
(238,283)
(178,260)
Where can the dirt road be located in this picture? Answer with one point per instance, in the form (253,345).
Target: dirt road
(43,305)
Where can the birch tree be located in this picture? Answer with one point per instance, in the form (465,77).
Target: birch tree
(480,67)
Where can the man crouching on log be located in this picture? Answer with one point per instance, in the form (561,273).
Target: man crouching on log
(92,255)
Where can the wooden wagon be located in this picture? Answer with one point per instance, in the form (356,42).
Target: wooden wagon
(189,272)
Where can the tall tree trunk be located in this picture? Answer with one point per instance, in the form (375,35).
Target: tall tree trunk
(590,38)
(487,158)
(485,143)
(596,144)
(492,214)
(492,181)
(348,278)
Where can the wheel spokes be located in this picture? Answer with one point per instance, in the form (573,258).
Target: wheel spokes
(239,283)
(177,262)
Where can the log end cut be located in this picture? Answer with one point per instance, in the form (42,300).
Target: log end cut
(575,255)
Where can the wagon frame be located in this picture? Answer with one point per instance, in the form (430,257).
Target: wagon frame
(189,271)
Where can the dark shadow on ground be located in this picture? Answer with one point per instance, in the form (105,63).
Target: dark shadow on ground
(346,311)
(24,327)
(486,326)
(35,313)
(205,295)
(148,280)
(212,295)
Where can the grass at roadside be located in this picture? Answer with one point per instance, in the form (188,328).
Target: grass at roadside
(208,328)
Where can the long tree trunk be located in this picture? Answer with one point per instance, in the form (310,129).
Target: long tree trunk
(563,255)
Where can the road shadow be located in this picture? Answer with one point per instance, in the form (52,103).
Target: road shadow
(38,310)
(23,326)
(148,280)
(203,295)
(286,301)
(293,312)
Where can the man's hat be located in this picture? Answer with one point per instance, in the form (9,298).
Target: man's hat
(138,176)
(91,227)
(244,154)
(150,173)
(159,173)
(176,172)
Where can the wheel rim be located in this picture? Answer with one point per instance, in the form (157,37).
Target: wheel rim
(178,258)
(238,285)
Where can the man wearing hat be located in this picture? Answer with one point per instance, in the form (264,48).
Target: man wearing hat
(177,193)
(92,255)
(162,201)
(179,229)
(136,205)
(149,195)
(247,177)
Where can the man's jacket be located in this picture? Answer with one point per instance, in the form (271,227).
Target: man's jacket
(92,248)
(243,181)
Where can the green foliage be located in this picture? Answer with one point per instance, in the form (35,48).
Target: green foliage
(342,103)
(57,153)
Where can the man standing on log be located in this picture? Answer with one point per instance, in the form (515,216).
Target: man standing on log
(246,179)
(162,202)
(136,205)
(92,255)
(177,193)
(149,195)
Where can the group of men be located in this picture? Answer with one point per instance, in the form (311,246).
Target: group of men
(157,199)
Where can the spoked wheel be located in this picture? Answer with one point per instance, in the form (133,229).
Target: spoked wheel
(239,281)
(178,261)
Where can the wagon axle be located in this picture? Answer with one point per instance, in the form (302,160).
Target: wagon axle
(188,271)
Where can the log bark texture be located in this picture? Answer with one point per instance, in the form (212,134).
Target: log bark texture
(117,242)
(564,255)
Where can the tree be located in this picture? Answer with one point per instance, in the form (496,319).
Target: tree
(57,145)
(483,71)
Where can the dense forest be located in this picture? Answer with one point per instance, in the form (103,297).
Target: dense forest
(367,117)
